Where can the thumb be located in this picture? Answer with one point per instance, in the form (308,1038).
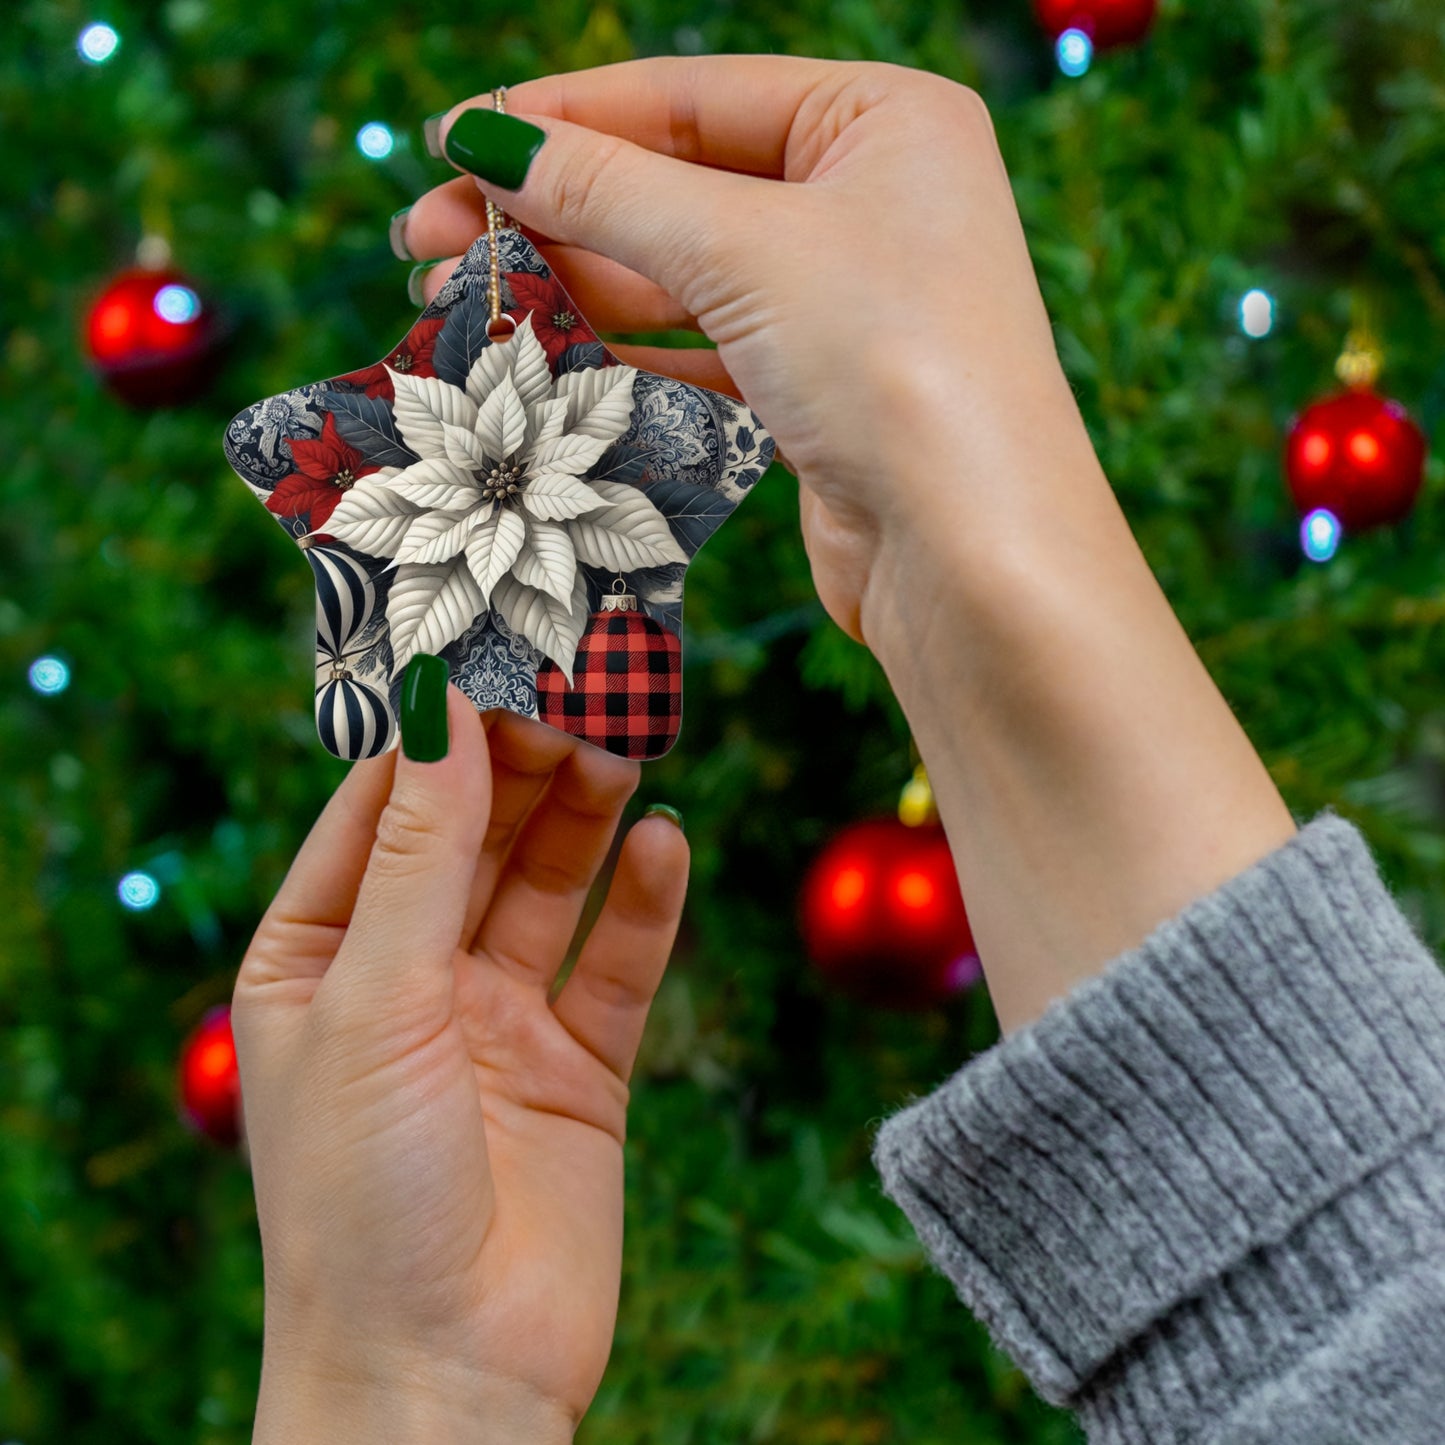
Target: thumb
(412,902)
(666,219)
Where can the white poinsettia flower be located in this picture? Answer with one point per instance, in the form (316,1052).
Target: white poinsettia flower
(499,510)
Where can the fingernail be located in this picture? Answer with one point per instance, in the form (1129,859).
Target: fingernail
(431,133)
(414,292)
(396,234)
(424,708)
(497,147)
(663,811)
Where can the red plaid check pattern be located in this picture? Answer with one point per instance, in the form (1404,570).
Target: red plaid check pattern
(627,686)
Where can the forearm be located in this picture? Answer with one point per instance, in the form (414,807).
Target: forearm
(1092,779)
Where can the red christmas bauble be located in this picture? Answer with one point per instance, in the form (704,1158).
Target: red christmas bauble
(1359,456)
(883,919)
(209,1081)
(1106,22)
(152,338)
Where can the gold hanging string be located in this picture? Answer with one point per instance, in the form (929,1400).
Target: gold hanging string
(496,222)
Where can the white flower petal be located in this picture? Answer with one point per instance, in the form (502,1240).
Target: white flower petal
(530,373)
(559,496)
(572,454)
(463,449)
(546,420)
(552,627)
(437,536)
(599,400)
(625,534)
(428,607)
(493,362)
(514,421)
(493,547)
(422,404)
(436,482)
(372,519)
(502,422)
(547,561)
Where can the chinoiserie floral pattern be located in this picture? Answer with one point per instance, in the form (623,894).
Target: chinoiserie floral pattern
(489,493)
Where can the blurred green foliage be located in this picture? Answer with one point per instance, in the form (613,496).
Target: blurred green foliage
(771,1292)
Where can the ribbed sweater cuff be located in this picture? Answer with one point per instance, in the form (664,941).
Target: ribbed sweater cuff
(1213,1108)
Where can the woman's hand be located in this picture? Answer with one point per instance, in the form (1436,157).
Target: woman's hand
(847,235)
(880,312)
(437,1147)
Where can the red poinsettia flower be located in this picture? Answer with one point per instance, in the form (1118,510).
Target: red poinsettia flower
(413,355)
(326,468)
(555,322)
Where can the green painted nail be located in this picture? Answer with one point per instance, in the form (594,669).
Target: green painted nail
(671,814)
(414,293)
(424,708)
(431,133)
(498,148)
(396,234)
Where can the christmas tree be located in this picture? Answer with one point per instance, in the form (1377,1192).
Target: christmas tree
(1212,212)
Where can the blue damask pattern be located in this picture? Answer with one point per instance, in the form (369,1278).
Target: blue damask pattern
(496,668)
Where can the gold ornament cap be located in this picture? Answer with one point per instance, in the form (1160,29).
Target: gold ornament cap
(1360,362)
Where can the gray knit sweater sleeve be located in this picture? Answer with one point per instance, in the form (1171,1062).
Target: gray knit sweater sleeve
(1201,1201)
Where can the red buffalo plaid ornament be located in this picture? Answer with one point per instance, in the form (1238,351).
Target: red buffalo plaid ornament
(626,692)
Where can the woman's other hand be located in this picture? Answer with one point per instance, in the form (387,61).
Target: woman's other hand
(437,1146)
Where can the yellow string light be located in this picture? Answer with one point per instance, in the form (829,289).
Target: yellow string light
(916,806)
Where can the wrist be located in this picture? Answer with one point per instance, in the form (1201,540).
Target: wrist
(1091,778)
(989,495)
(399,1400)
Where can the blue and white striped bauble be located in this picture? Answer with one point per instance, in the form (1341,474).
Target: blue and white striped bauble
(353,718)
(345,597)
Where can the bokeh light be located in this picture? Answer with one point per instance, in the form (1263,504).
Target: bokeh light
(138,891)
(1256,313)
(49,675)
(375,141)
(1075,52)
(849,886)
(97,43)
(177,304)
(1320,535)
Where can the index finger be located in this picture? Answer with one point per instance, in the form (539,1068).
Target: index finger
(733,112)
(320,888)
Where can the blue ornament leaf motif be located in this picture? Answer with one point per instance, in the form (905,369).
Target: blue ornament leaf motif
(623,463)
(461,339)
(693,513)
(367,423)
(581,356)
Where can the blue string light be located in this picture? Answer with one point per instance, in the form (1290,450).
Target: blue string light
(375,140)
(97,43)
(177,304)
(1256,313)
(138,891)
(49,675)
(1320,534)
(1075,53)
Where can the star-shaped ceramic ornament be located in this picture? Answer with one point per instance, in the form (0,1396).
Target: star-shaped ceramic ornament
(526,508)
